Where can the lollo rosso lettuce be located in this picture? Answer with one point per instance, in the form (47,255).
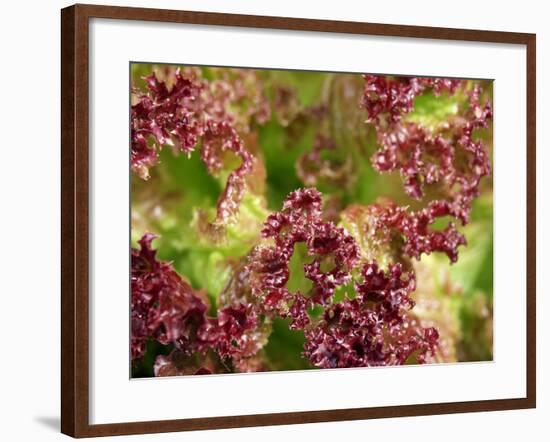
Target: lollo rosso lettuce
(356,280)
(193,112)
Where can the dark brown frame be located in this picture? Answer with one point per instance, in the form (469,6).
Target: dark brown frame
(74,219)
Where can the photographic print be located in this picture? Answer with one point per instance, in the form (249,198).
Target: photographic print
(295,220)
(238,216)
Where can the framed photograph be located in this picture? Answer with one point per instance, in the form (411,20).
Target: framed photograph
(273,220)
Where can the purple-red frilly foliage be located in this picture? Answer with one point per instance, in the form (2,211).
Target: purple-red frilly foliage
(167,309)
(369,325)
(192,113)
(369,329)
(451,156)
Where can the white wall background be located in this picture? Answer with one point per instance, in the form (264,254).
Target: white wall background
(29,218)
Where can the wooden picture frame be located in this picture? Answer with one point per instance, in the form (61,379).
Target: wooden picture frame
(75,219)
